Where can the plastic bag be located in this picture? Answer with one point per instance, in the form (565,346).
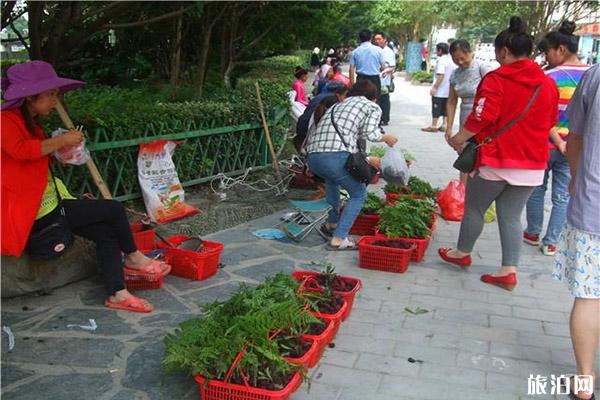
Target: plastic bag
(490,214)
(452,201)
(394,168)
(74,155)
(163,194)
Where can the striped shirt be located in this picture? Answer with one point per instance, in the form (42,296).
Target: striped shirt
(567,77)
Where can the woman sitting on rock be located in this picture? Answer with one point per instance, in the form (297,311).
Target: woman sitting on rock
(30,194)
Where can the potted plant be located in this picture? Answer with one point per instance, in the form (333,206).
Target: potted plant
(233,351)
(329,281)
(411,220)
(420,187)
(367,220)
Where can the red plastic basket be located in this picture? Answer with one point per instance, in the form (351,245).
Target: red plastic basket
(190,264)
(308,359)
(144,238)
(336,318)
(143,281)
(348,296)
(219,390)
(382,258)
(365,225)
(419,251)
(322,340)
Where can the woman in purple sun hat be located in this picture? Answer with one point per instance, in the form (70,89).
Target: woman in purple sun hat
(33,201)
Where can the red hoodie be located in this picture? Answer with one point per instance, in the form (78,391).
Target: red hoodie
(502,95)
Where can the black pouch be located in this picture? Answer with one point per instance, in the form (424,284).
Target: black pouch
(53,239)
(50,241)
(356,163)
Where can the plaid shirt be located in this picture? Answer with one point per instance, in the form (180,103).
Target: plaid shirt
(356,118)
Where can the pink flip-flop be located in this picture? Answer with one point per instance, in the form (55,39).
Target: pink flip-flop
(131,303)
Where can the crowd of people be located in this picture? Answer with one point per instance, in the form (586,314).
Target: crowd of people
(526,124)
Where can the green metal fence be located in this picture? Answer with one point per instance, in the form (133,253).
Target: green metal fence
(204,153)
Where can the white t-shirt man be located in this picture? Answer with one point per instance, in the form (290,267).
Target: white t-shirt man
(390,62)
(446,66)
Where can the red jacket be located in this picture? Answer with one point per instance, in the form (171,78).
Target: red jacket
(502,95)
(24,178)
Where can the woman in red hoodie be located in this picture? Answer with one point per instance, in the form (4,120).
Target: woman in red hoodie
(30,193)
(512,164)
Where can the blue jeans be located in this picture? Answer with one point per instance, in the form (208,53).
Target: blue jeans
(330,167)
(558,165)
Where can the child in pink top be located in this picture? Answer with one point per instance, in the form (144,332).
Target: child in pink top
(298,86)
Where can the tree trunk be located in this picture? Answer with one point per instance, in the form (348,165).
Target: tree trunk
(415,33)
(35,11)
(228,52)
(203,59)
(176,56)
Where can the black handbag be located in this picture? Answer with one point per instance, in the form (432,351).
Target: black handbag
(467,158)
(52,240)
(356,163)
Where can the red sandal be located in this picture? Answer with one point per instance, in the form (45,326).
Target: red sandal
(463,262)
(131,303)
(507,282)
(154,267)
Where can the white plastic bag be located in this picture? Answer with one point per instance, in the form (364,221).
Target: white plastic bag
(394,168)
(75,155)
(162,191)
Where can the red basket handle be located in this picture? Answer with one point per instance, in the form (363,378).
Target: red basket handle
(235,364)
(311,280)
(306,281)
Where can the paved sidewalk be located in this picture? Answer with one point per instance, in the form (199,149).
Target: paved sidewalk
(475,342)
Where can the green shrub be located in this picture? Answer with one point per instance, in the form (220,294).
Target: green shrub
(422,76)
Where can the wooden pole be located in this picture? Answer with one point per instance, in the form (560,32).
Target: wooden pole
(104,191)
(267,132)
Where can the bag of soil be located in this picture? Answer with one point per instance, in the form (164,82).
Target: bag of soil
(162,191)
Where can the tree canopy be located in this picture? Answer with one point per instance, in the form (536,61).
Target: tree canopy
(192,41)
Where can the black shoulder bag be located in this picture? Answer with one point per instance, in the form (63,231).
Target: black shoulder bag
(356,163)
(467,158)
(52,240)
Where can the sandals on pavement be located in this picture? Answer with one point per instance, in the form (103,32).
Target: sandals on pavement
(429,129)
(131,303)
(154,267)
(346,245)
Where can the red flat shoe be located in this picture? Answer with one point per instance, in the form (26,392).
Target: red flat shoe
(507,282)
(463,262)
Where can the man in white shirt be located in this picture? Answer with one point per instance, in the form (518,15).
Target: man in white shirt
(387,75)
(441,88)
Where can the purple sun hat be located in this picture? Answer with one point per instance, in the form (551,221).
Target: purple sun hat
(31,78)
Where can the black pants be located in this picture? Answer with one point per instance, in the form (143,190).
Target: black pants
(373,78)
(384,103)
(105,223)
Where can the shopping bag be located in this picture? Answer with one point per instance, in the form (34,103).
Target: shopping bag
(77,154)
(490,214)
(394,168)
(452,201)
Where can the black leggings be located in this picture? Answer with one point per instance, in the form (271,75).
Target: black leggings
(105,223)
